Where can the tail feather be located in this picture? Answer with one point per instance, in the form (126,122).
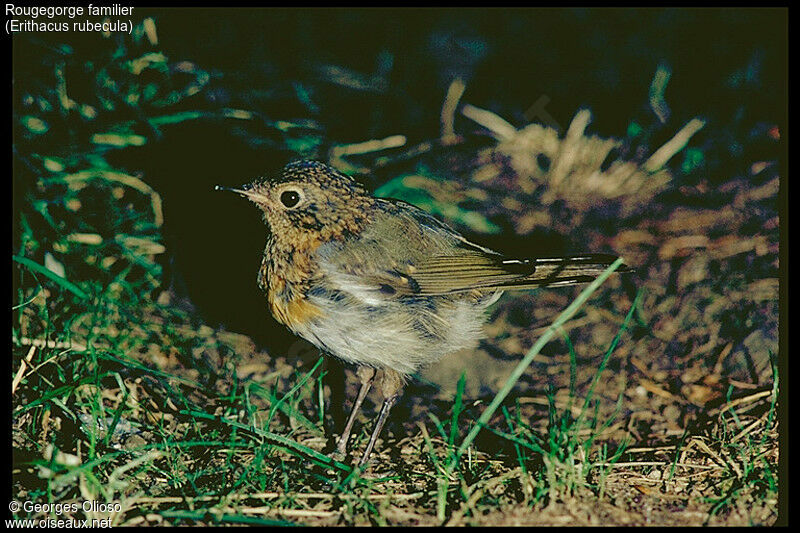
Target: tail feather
(579,267)
(447,275)
(559,271)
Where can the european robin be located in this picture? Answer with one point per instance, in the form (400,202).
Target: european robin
(380,283)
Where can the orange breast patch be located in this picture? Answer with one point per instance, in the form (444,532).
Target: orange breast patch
(297,312)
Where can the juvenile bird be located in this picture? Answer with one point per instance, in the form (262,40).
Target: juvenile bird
(380,283)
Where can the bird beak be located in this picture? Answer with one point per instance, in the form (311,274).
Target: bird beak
(250,195)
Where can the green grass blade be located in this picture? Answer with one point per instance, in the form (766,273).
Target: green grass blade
(611,348)
(274,437)
(457,408)
(214,518)
(62,282)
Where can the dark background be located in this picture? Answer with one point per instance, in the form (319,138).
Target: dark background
(348,75)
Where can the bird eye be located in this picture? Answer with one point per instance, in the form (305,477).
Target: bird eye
(290,198)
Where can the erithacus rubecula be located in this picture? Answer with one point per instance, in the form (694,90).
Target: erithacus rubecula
(380,283)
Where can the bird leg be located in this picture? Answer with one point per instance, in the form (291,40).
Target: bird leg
(391,387)
(366,374)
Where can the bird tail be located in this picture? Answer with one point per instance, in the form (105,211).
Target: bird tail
(559,271)
(449,274)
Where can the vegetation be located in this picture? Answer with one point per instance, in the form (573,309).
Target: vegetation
(146,371)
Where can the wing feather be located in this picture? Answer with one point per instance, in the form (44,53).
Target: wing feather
(410,253)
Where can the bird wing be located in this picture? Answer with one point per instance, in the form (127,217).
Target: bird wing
(406,252)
